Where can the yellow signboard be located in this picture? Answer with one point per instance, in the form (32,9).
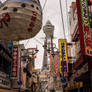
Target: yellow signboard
(15,43)
(63,56)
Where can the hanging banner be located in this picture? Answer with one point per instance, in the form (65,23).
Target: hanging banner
(84,25)
(56,63)
(15,63)
(52,64)
(63,56)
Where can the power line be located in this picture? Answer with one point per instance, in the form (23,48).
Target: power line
(66,11)
(27,42)
(67,15)
(62,18)
(38,41)
(34,39)
(44,5)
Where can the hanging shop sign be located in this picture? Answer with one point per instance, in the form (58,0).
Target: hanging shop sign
(20,71)
(3,75)
(15,63)
(5,83)
(79,72)
(63,56)
(15,43)
(85,26)
(83,70)
(56,63)
(72,85)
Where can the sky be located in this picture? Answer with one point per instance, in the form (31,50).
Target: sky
(51,12)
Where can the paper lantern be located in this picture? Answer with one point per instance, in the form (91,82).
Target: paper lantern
(20,19)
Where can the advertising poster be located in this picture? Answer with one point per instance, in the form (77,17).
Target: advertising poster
(63,56)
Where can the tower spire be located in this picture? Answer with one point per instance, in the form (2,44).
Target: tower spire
(48,30)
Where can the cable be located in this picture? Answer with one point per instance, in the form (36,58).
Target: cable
(44,5)
(62,18)
(27,42)
(67,15)
(66,10)
(34,39)
(38,41)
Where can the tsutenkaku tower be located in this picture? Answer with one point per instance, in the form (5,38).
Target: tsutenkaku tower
(48,30)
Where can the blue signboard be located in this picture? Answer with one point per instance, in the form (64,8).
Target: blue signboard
(63,79)
(10,45)
(19,82)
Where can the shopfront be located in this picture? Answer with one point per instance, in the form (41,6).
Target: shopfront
(5,69)
(5,83)
(7,90)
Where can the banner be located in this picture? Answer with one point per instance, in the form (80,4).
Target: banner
(84,27)
(63,56)
(15,63)
(56,63)
(52,64)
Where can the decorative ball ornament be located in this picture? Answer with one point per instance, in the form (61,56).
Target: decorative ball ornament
(20,19)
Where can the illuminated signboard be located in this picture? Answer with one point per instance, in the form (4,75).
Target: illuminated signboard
(82,5)
(63,56)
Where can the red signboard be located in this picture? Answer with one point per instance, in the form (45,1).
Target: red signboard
(84,27)
(56,63)
(15,63)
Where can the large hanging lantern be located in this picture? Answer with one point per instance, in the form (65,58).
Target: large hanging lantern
(20,19)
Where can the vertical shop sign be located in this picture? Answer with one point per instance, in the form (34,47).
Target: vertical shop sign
(85,26)
(15,63)
(56,63)
(63,56)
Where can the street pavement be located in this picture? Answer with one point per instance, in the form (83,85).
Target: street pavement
(59,90)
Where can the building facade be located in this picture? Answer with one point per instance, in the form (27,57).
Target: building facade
(80,79)
(5,67)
